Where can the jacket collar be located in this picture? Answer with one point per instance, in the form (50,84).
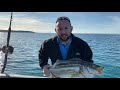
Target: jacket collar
(54,39)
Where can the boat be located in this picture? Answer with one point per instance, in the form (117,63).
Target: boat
(5,75)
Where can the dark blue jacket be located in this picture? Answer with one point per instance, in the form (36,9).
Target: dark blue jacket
(50,49)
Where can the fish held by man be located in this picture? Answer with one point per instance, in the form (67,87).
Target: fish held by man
(75,68)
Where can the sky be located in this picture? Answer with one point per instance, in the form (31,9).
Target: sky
(44,22)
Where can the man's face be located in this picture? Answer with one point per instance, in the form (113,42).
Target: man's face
(63,29)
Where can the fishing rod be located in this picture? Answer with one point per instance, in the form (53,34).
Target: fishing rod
(7,45)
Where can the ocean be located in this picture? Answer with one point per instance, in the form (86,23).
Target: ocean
(24,60)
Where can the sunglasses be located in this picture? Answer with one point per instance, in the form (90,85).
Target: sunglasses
(63,18)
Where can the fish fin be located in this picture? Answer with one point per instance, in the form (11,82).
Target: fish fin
(53,75)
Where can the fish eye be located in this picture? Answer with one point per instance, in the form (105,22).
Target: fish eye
(99,68)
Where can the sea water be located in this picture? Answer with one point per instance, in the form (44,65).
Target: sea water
(24,60)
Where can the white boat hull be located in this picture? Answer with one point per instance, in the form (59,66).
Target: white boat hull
(3,75)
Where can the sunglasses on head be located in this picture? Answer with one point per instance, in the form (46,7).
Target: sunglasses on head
(63,18)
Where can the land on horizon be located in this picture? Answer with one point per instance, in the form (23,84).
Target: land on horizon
(16,31)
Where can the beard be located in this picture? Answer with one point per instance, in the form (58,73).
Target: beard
(64,37)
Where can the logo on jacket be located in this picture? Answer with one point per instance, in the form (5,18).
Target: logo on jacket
(77,53)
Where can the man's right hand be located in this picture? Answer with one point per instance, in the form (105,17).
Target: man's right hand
(46,70)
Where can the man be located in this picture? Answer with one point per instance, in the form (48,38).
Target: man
(63,46)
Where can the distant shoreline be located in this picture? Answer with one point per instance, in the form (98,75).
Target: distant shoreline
(21,31)
(17,31)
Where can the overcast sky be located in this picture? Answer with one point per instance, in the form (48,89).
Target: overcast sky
(44,22)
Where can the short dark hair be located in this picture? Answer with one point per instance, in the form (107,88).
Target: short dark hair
(63,18)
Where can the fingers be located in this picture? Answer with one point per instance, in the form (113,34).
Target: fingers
(46,70)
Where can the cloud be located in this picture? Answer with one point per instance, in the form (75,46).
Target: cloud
(46,23)
(114,18)
(26,23)
(111,26)
(32,24)
(114,25)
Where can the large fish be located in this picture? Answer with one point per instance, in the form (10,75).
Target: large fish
(74,68)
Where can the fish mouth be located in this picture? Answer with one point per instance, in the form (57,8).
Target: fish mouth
(99,68)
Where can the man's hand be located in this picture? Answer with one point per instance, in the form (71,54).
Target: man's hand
(46,70)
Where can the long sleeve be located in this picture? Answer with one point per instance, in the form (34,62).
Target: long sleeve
(43,58)
(88,54)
